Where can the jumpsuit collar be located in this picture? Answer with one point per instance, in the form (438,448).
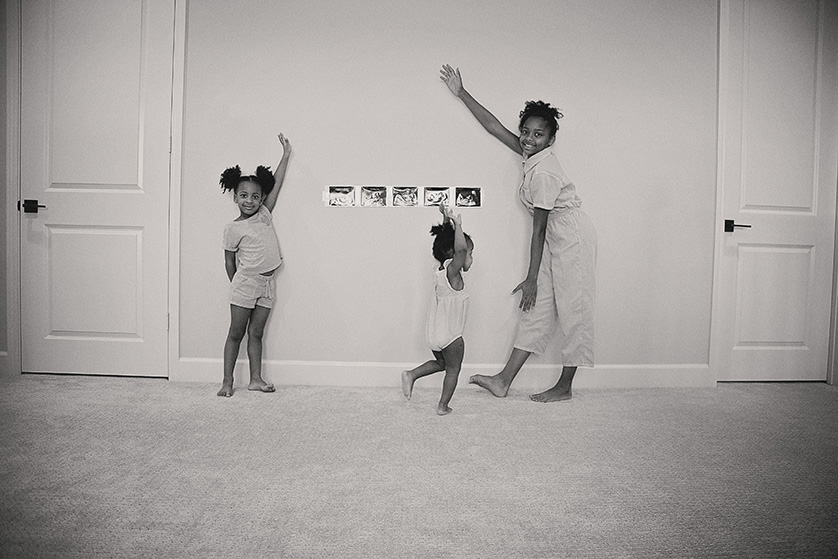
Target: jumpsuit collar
(534,160)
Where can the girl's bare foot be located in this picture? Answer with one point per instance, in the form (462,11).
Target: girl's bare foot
(443,410)
(555,394)
(260,385)
(493,384)
(407,384)
(226,390)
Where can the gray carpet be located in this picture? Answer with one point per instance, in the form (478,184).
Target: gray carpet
(110,467)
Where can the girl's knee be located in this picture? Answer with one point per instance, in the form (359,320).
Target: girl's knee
(258,321)
(452,371)
(236,334)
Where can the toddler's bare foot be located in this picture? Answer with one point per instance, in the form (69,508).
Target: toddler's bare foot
(493,384)
(407,384)
(443,410)
(555,394)
(226,390)
(260,385)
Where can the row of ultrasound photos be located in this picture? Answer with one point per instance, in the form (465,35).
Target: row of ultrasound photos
(403,196)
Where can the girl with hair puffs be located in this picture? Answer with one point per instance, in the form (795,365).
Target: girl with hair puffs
(560,285)
(251,256)
(452,248)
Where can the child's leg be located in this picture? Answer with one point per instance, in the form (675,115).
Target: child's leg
(238,325)
(453,355)
(423,370)
(254,349)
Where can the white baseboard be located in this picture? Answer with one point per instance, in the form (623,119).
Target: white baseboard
(531,377)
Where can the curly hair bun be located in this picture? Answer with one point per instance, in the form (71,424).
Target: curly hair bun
(540,109)
(265,179)
(230,178)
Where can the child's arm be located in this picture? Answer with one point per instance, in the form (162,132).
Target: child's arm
(529,287)
(230,263)
(487,120)
(279,174)
(444,211)
(460,252)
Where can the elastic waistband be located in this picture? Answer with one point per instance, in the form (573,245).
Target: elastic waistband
(255,276)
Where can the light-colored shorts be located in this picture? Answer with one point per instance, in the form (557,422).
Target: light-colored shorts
(251,290)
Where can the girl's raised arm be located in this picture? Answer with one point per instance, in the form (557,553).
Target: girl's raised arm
(279,174)
(460,249)
(487,120)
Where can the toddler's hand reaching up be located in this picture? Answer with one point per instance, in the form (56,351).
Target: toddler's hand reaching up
(444,211)
(448,214)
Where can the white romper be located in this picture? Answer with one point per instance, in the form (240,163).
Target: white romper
(447,312)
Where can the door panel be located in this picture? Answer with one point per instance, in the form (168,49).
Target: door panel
(777,172)
(95,121)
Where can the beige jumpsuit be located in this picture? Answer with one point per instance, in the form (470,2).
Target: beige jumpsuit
(566,279)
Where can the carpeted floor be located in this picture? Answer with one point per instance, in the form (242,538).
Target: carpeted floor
(110,467)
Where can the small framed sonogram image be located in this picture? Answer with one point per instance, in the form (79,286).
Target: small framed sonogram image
(467,197)
(436,195)
(373,196)
(405,196)
(341,196)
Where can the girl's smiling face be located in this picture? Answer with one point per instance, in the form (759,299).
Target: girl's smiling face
(535,136)
(248,197)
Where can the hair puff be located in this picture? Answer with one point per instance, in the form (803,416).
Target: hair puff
(230,178)
(265,178)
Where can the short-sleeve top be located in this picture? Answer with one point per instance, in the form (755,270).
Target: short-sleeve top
(255,243)
(545,184)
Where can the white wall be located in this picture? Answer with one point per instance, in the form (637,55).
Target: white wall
(355,87)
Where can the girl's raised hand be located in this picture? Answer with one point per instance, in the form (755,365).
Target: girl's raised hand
(286,145)
(452,79)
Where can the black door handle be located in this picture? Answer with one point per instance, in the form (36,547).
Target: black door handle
(30,206)
(729,225)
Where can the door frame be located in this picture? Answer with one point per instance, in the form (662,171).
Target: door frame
(175,183)
(13,217)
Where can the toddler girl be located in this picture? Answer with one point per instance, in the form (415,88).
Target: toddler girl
(447,313)
(251,256)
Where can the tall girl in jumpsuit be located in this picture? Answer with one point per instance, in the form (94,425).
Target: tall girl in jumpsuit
(560,287)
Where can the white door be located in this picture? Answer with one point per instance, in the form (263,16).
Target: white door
(779,124)
(96,83)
